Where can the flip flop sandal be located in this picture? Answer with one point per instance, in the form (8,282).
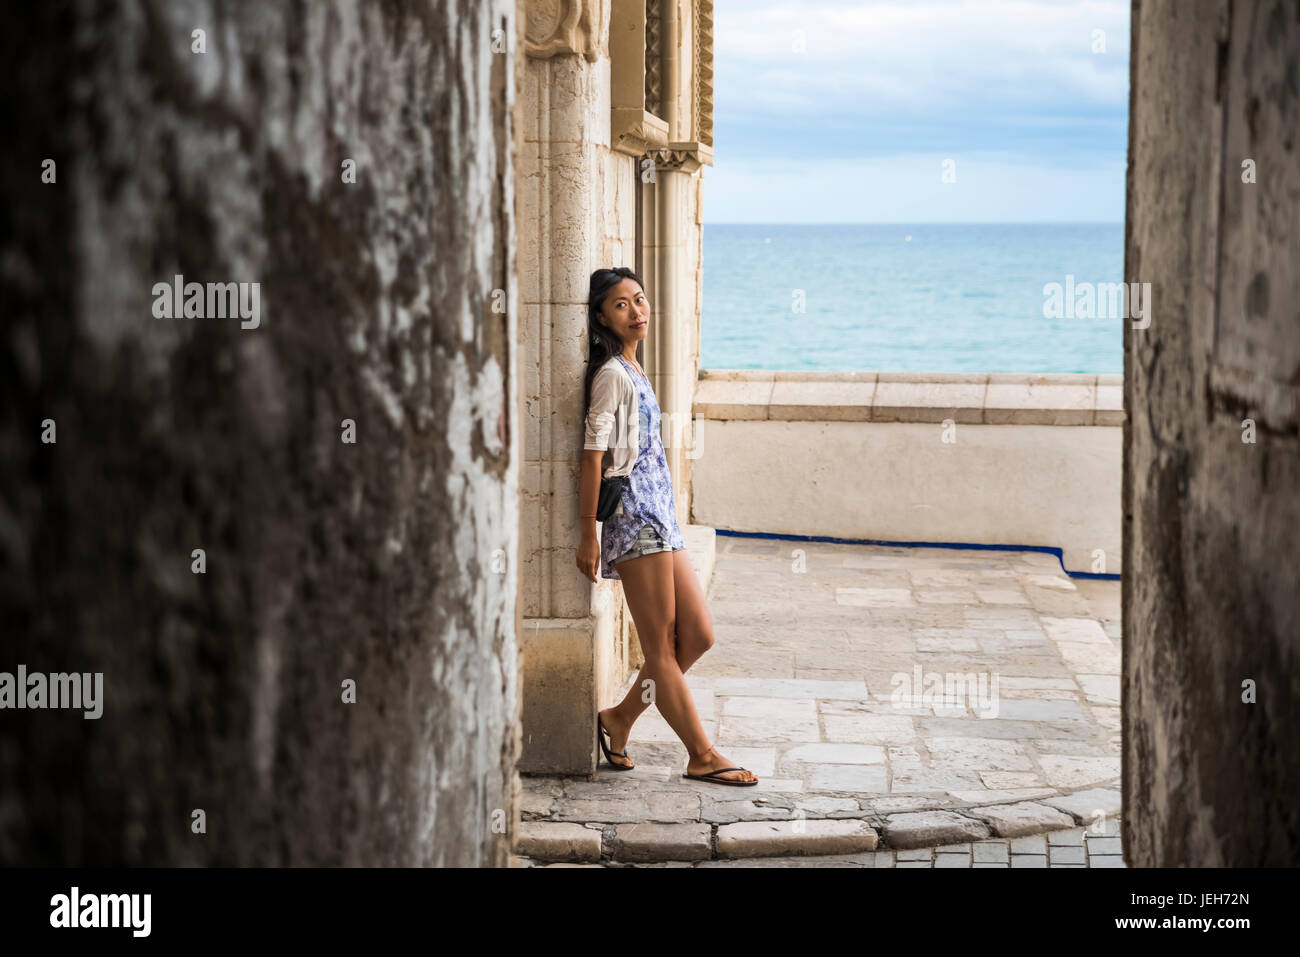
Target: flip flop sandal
(712,780)
(601,735)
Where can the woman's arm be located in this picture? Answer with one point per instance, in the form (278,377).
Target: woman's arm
(602,415)
(588,496)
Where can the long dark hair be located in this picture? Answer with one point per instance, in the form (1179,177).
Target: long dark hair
(601,340)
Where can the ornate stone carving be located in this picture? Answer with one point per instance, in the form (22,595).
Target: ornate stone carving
(654,97)
(560,27)
(683,157)
(703,99)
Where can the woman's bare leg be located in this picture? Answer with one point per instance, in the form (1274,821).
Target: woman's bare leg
(693,635)
(675,628)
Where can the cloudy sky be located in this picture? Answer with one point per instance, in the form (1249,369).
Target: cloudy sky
(856,126)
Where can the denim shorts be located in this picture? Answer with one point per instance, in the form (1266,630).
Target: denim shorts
(648,541)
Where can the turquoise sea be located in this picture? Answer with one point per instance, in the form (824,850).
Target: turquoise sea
(900,298)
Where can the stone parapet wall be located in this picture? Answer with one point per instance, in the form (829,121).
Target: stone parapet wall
(982,459)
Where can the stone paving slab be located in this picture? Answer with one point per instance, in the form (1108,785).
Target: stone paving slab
(933,696)
(1019,820)
(1087,805)
(663,842)
(766,839)
(552,841)
(928,828)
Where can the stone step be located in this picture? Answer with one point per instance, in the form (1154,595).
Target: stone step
(952,839)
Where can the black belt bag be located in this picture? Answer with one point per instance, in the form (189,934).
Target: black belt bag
(611,491)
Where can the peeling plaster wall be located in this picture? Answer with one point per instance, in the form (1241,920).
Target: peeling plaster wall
(1211,549)
(390,561)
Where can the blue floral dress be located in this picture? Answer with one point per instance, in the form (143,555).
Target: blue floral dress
(648,495)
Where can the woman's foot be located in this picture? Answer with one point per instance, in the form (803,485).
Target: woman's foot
(711,760)
(618,733)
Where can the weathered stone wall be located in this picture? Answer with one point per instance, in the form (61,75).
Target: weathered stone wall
(1211,546)
(388,561)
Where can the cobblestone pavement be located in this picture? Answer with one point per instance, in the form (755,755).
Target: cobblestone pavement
(815,642)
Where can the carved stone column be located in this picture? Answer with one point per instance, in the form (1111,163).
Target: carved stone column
(680,45)
(573,648)
(601,100)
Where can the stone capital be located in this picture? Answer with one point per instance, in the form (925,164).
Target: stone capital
(561,27)
(681,157)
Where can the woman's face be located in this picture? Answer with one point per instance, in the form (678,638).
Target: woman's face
(626,311)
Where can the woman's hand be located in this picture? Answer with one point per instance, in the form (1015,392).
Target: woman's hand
(589,500)
(589,556)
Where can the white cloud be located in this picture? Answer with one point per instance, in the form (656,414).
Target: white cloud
(874,58)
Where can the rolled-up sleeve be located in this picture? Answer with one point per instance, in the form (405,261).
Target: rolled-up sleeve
(602,411)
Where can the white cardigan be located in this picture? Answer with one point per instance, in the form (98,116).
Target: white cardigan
(613,422)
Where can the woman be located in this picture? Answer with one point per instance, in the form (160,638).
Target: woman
(642,538)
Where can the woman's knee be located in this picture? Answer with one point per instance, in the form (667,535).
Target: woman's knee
(660,644)
(705,633)
(697,638)
(708,637)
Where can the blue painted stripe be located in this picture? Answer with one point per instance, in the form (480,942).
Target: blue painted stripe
(964,546)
